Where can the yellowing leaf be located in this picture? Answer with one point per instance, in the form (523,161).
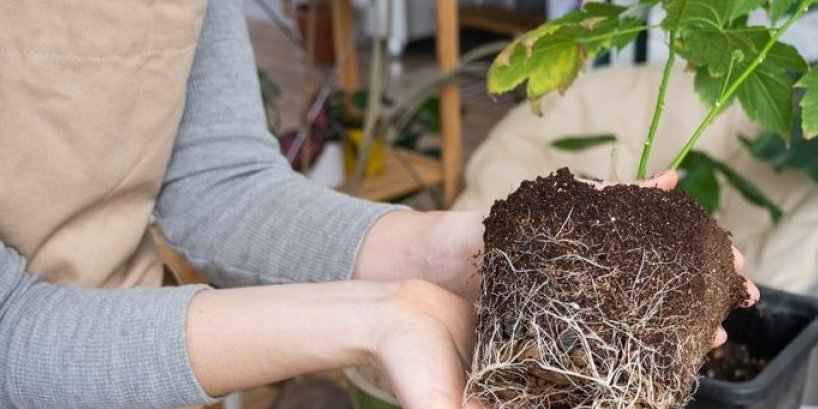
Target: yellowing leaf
(550,56)
(508,70)
(809,103)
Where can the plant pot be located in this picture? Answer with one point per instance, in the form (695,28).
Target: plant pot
(328,169)
(782,328)
(369,390)
(375,160)
(324,52)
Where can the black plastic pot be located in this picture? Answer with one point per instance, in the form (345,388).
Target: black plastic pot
(782,328)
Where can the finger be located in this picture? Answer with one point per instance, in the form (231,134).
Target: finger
(666,180)
(753,293)
(426,374)
(720,337)
(738,260)
(473,404)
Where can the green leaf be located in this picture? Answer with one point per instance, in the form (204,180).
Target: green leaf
(709,88)
(554,62)
(749,190)
(743,7)
(778,8)
(800,156)
(809,103)
(578,143)
(710,39)
(700,182)
(549,57)
(696,15)
(766,96)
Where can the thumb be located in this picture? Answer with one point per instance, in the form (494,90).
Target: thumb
(428,375)
(666,180)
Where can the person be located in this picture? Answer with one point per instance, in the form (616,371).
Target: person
(115,113)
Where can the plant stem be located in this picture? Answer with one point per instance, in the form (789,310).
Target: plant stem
(716,109)
(660,107)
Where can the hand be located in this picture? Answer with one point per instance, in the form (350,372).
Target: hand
(423,342)
(420,335)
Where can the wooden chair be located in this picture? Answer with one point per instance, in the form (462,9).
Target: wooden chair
(397,180)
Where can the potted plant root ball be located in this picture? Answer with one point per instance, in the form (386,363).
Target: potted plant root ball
(608,298)
(598,298)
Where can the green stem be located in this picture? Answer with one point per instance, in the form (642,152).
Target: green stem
(660,107)
(802,8)
(616,33)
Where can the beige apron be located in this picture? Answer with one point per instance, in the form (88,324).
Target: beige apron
(91,95)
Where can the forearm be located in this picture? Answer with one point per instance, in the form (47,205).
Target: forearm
(246,337)
(71,347)
(230,202)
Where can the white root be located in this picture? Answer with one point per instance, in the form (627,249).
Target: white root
(553,352)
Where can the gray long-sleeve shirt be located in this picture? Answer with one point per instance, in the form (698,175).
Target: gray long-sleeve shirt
(229,203)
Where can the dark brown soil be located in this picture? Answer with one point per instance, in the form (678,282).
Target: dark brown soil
(598,298)
(733,362)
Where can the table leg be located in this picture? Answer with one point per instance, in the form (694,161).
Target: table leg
(448,55)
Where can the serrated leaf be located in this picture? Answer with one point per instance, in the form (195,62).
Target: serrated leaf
(743,7)
(708,87)
(781,55)
(579,143)
(800,156)
(508,70)
(554,63)
(549,57)
(700,182)
(748,190)
(780,7)
(809,103)
(693,15)
(766,97)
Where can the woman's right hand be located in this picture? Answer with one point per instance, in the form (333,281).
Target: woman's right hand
(418,334)
(422,340)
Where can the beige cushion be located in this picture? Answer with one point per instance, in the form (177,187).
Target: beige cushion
(620,101)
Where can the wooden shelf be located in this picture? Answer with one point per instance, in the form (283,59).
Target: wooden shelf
(498,20)
(405,172)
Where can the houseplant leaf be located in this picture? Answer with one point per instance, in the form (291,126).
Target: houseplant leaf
(809,103)
(801,155)
(711,38)
(549,57)
(578,143)
(748,190)
(700,181)
(780,7)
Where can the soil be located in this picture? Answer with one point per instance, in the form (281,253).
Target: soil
(598,298)
(733,362)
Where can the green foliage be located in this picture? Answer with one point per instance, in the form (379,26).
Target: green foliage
(579,143)
(715,39)
(801,156)
(731,60)
(701,182)
(550,56)
(777,8)
(809,103)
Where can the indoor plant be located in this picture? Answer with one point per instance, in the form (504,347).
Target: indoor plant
(609,298)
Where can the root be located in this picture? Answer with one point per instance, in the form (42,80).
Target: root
(555,337)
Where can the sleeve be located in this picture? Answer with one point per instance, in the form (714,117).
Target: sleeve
(71,347)
(230,202)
